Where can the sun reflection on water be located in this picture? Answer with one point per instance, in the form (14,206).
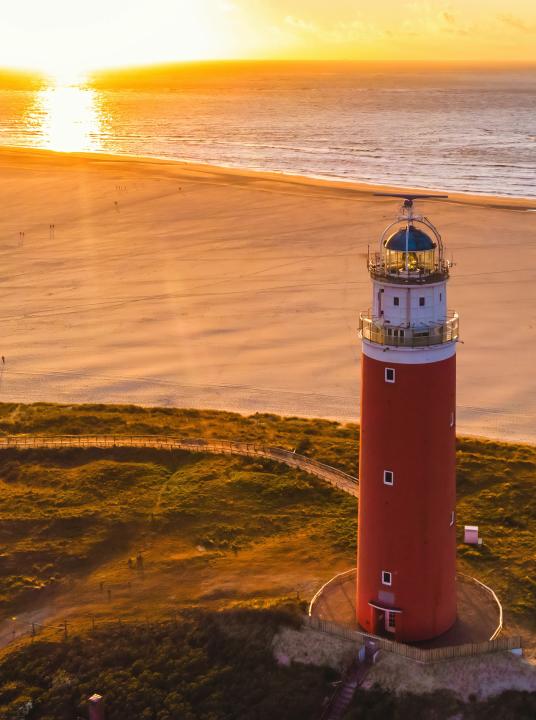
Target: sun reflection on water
(67,118)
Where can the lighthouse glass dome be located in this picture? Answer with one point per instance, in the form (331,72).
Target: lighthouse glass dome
(410,249)
(410,253)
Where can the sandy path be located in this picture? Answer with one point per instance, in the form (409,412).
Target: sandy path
(166,284)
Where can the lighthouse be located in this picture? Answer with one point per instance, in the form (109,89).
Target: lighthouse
(406,565)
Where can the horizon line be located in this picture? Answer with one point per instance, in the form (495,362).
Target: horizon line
(386,62)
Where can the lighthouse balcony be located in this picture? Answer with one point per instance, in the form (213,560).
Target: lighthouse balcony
(378,331)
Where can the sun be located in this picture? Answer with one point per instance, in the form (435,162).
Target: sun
(61,76)
(65,39)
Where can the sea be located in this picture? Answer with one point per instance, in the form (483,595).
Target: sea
(463,130)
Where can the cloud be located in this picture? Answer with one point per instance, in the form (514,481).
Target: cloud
(354,31)
(426,18)
(337,33)
(429,23)
(517,23)
(304,26)
(450,23)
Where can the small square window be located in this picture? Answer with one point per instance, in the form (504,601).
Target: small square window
(389,375)
(388,477)
(396,301)
(386,577)
(422,301)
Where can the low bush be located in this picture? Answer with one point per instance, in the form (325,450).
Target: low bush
(206,666)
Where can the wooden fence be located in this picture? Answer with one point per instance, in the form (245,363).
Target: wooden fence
(331,475)
(18,632)
(25,630)
(422,655)
(339,579)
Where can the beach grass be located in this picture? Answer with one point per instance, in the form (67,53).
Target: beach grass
(70,512)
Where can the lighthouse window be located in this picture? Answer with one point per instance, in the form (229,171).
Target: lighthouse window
(452,518)
(396,301)
(422,301)
(388,477)
(389,375)
(386,577)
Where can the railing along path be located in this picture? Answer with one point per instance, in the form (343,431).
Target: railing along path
(422,655)
(331,475)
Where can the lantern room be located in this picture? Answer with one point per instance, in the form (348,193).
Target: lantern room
(410,251)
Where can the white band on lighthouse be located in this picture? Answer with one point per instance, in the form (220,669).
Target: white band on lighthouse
(409,356)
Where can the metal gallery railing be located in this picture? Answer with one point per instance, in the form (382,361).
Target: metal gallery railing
(377,331)
(333,476)
(391,267)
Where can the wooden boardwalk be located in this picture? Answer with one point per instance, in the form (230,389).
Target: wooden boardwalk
(331,475)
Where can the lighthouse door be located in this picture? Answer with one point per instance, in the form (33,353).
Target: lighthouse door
(390,621)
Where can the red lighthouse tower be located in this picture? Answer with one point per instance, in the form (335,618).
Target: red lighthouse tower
(406,568)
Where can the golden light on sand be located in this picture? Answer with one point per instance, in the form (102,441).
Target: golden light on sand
(67,118)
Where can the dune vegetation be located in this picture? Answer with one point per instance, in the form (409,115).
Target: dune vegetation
(216,533)
(65,512)
(495,485)
(62,512)
(207,666)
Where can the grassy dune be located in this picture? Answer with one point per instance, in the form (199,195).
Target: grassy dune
(63,513)
(78,512)
(496,492)
(329,442)
(216,533)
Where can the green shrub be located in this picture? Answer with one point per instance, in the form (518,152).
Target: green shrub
(206,665)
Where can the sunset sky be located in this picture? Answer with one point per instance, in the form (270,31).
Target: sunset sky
(67,36)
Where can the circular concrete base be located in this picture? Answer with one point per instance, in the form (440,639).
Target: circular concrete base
(479,613)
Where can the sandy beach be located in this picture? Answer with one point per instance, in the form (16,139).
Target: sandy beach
(147,281)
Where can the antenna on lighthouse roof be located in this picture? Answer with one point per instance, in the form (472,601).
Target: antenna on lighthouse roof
(410,197)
